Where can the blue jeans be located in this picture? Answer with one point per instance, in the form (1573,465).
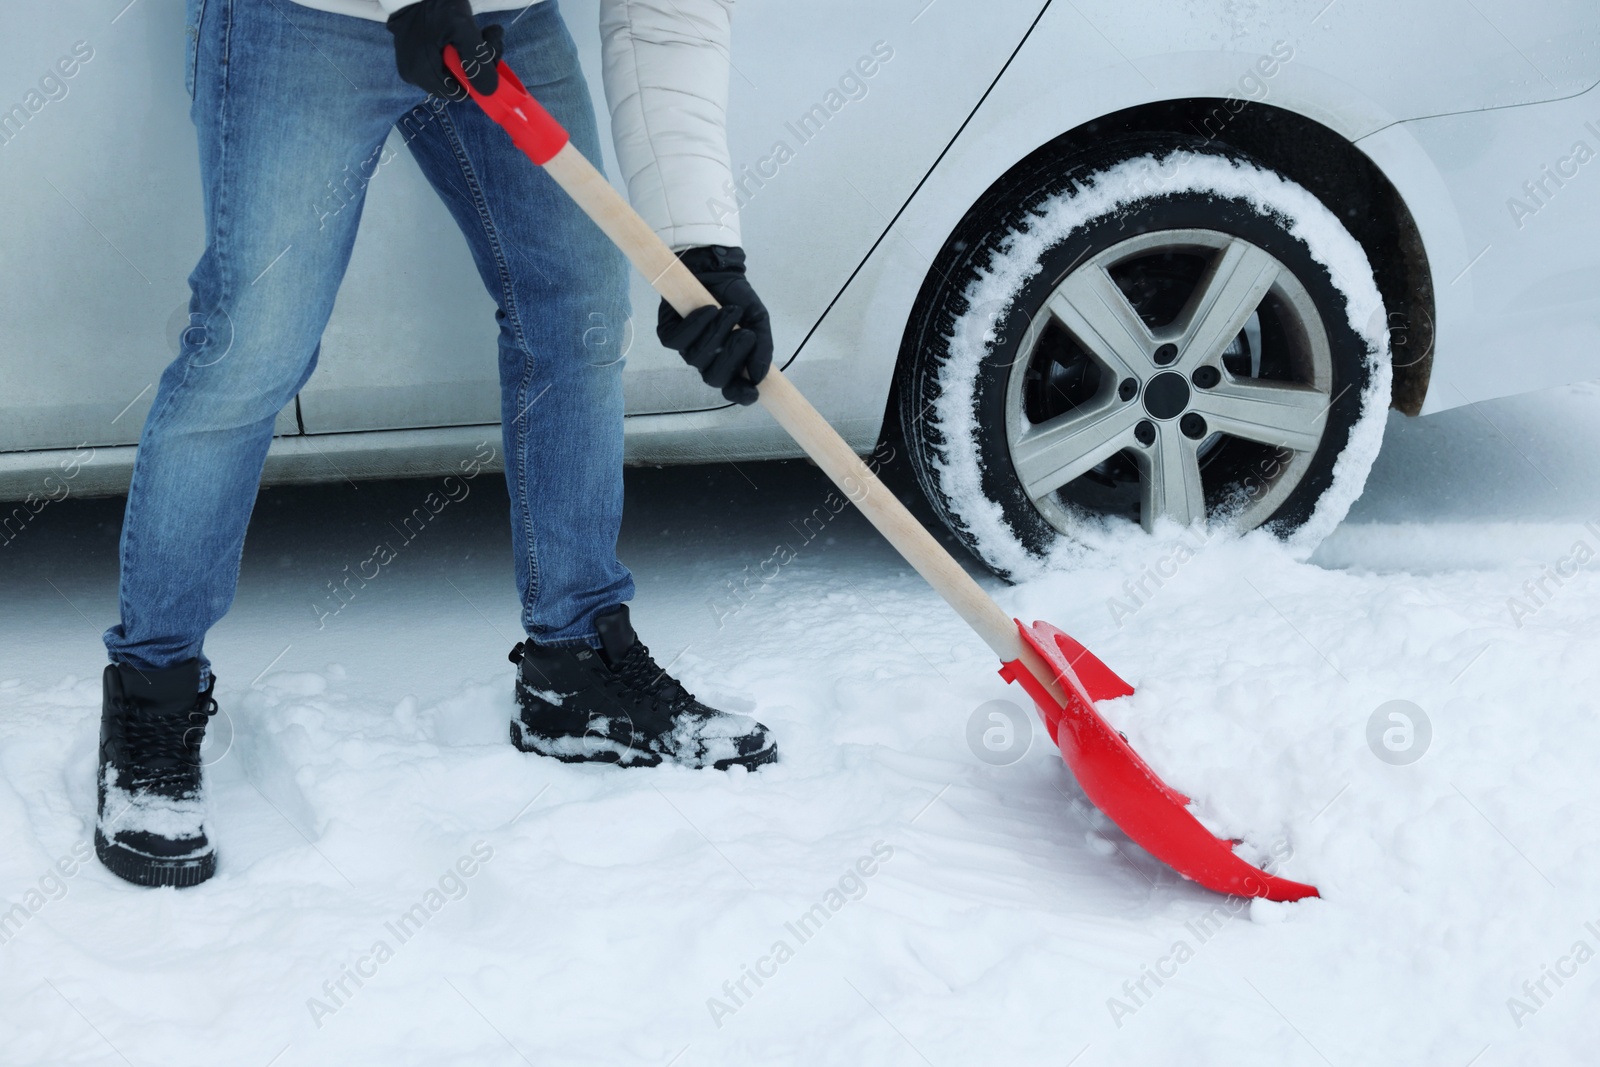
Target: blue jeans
(293,107)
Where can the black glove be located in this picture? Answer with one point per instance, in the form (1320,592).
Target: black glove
(421,30)
(728,359)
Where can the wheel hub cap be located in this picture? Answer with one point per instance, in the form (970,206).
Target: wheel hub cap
(1166,396)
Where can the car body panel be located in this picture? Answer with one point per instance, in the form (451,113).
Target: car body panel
(1505,201)
(98,266)
(1406,59)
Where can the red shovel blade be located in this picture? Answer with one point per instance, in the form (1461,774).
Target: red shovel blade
(1121,784)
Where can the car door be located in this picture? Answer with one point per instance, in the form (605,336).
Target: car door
(825,154)
(102,218)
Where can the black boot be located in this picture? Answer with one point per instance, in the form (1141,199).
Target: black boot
(152,824)
(616,705)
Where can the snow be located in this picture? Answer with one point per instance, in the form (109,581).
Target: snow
(143,812)
(899,899)
(1102,194)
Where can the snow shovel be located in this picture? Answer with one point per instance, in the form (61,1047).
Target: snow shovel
(1061,676)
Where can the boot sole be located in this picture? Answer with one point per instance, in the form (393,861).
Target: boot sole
(644,759)
(150,871)
(749,762)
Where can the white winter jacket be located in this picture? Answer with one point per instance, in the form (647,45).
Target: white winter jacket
(665,64)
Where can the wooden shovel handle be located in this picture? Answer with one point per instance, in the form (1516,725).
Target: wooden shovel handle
(533,129)
(678,285)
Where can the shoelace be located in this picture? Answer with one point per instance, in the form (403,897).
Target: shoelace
(640,672)
(163,752)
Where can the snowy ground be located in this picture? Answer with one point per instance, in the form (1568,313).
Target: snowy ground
(1001,922)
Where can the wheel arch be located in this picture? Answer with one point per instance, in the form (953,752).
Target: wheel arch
(1303,150)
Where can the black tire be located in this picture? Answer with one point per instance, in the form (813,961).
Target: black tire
(1242,479)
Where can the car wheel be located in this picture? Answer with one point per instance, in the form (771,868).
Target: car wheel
(1154,332)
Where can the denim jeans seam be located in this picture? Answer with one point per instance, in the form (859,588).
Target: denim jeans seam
(192,53)
(591,641)
(225,271)
(508,297)
(224,285)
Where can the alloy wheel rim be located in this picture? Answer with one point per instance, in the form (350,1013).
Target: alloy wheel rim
(1219,407)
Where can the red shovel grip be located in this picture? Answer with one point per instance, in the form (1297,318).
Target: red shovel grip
(531,127)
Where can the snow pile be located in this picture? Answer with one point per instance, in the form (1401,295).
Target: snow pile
(626,914)
(1104,193)
(398,885)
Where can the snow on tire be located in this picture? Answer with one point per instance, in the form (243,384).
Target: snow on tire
(1152,333)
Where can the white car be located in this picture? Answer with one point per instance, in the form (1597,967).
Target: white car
(1087,258)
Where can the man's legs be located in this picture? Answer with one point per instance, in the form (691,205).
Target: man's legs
(291,107)
(561,288)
